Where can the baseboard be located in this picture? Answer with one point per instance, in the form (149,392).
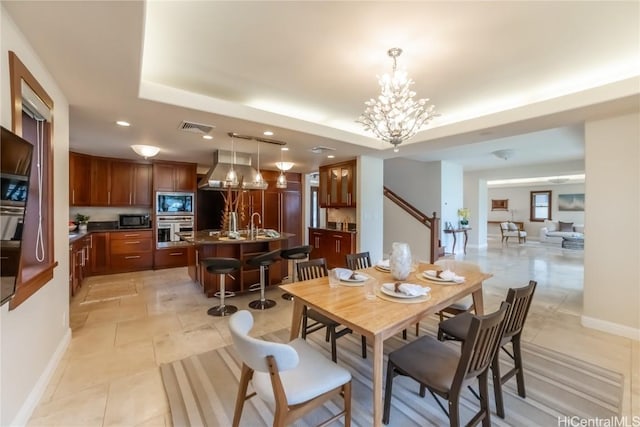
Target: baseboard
(610,327)
(30,403)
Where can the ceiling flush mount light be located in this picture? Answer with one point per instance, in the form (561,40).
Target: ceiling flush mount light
(267,133)
(395,116)
(503,154)
(145,151)
(207,137)
(123,123)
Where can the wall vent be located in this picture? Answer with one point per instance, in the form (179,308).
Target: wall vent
(199,128)
(319,149)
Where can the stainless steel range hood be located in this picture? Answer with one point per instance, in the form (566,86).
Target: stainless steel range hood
(222,162)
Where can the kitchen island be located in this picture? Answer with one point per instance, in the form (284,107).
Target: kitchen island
(211,243)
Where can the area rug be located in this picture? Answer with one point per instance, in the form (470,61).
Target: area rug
(110,290)
(201,390)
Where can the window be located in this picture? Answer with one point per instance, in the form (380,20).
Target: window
(540,206)
(32,119)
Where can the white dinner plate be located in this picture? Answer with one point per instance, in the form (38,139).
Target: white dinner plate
(358,279)
(399,294)
(431,275)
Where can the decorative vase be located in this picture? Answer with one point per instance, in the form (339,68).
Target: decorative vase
(82,227)
(400,261)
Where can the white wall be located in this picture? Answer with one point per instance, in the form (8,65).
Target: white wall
(475,198)
(451,190)
(34,336)
(612,223)
(519,203)
(369,208)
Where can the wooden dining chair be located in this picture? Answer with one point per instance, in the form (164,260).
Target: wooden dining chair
(520,300)
(293,378)
(445,372)
(314,269)
(358,261)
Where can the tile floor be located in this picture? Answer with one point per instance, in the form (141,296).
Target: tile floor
(109,375)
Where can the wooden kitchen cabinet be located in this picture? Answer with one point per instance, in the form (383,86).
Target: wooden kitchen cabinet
(283,207)
(79,179)
(100,181)
(177,256)
(337,185)
(174,176)
(332,245)
(130,184)
(131,250)
(99,253)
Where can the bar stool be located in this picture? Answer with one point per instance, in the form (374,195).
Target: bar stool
(294,255)
(263,261)
(222,266)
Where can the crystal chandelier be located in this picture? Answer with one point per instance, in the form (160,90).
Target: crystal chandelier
(395,116)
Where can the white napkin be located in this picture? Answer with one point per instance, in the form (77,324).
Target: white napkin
(345,274)
(384,263)
(407,289)
(446,275)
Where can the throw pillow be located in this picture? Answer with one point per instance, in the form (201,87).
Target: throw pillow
(551,225)
(565,226)
(513,227)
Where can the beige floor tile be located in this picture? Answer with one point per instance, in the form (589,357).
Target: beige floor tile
(117,314)
(136,399)
(95,339)
(145,329)
(157,421)
(84,409)
(181,344)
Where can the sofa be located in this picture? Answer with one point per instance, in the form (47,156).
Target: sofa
(554,231)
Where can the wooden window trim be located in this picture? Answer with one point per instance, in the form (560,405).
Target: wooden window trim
(37,277)
(532,207)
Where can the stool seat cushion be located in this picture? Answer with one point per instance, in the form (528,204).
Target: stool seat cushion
(314,375)
(298,252)
(267,258)
(221,265)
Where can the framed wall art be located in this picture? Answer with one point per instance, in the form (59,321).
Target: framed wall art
(571,202)
(499,204)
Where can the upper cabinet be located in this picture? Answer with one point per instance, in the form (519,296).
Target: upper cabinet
(173,176)
(338,185)
(79,179)
(100,181)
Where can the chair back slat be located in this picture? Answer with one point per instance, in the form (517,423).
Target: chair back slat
(485,334)
(312,269)
(520,300)
(358,261)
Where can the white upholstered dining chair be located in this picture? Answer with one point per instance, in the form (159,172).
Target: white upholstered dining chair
(292,378)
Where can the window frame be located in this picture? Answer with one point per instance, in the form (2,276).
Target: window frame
(42,274)
(532,205)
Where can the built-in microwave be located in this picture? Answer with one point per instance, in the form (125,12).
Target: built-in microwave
(170,203)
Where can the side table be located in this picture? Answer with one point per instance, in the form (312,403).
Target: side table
(456,231)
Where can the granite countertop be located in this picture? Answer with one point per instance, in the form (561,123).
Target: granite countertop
(208,237)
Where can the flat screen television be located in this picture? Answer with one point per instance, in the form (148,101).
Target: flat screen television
(16,155)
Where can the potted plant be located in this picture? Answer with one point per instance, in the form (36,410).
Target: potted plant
(463,213)
(82,221)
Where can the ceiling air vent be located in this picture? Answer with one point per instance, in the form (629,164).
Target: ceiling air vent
(199,128)
(319,149)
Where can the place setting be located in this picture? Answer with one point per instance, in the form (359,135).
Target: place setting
(442,277)
(404,292)
(347,277)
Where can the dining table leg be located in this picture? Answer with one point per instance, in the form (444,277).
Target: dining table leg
(296,318)
(378,357)
(478,301)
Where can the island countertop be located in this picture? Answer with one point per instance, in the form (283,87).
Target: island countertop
(215,237)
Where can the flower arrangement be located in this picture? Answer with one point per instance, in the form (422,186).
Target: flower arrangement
(464,214)
(82,219)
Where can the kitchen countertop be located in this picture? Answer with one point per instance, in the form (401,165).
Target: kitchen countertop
(211,237)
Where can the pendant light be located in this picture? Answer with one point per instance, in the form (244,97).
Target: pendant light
(281,182)
(258,180)
(231,180)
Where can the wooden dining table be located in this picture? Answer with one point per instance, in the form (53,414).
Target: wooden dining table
(382,317)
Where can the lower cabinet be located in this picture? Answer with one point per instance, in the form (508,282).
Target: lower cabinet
(99,253)
(332,245)
(172,257)
(130,251)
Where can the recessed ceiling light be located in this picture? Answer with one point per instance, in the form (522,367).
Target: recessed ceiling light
(123,123)
(331,156)
(285,149)
(267,133)
(207,137)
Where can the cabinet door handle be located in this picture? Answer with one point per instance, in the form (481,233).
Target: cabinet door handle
(349,198)
(131,235)
(175,254)
(91,241)
(73,196)
(133,242)
(132,257)
(328,199)
(129,198)
(108,197)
